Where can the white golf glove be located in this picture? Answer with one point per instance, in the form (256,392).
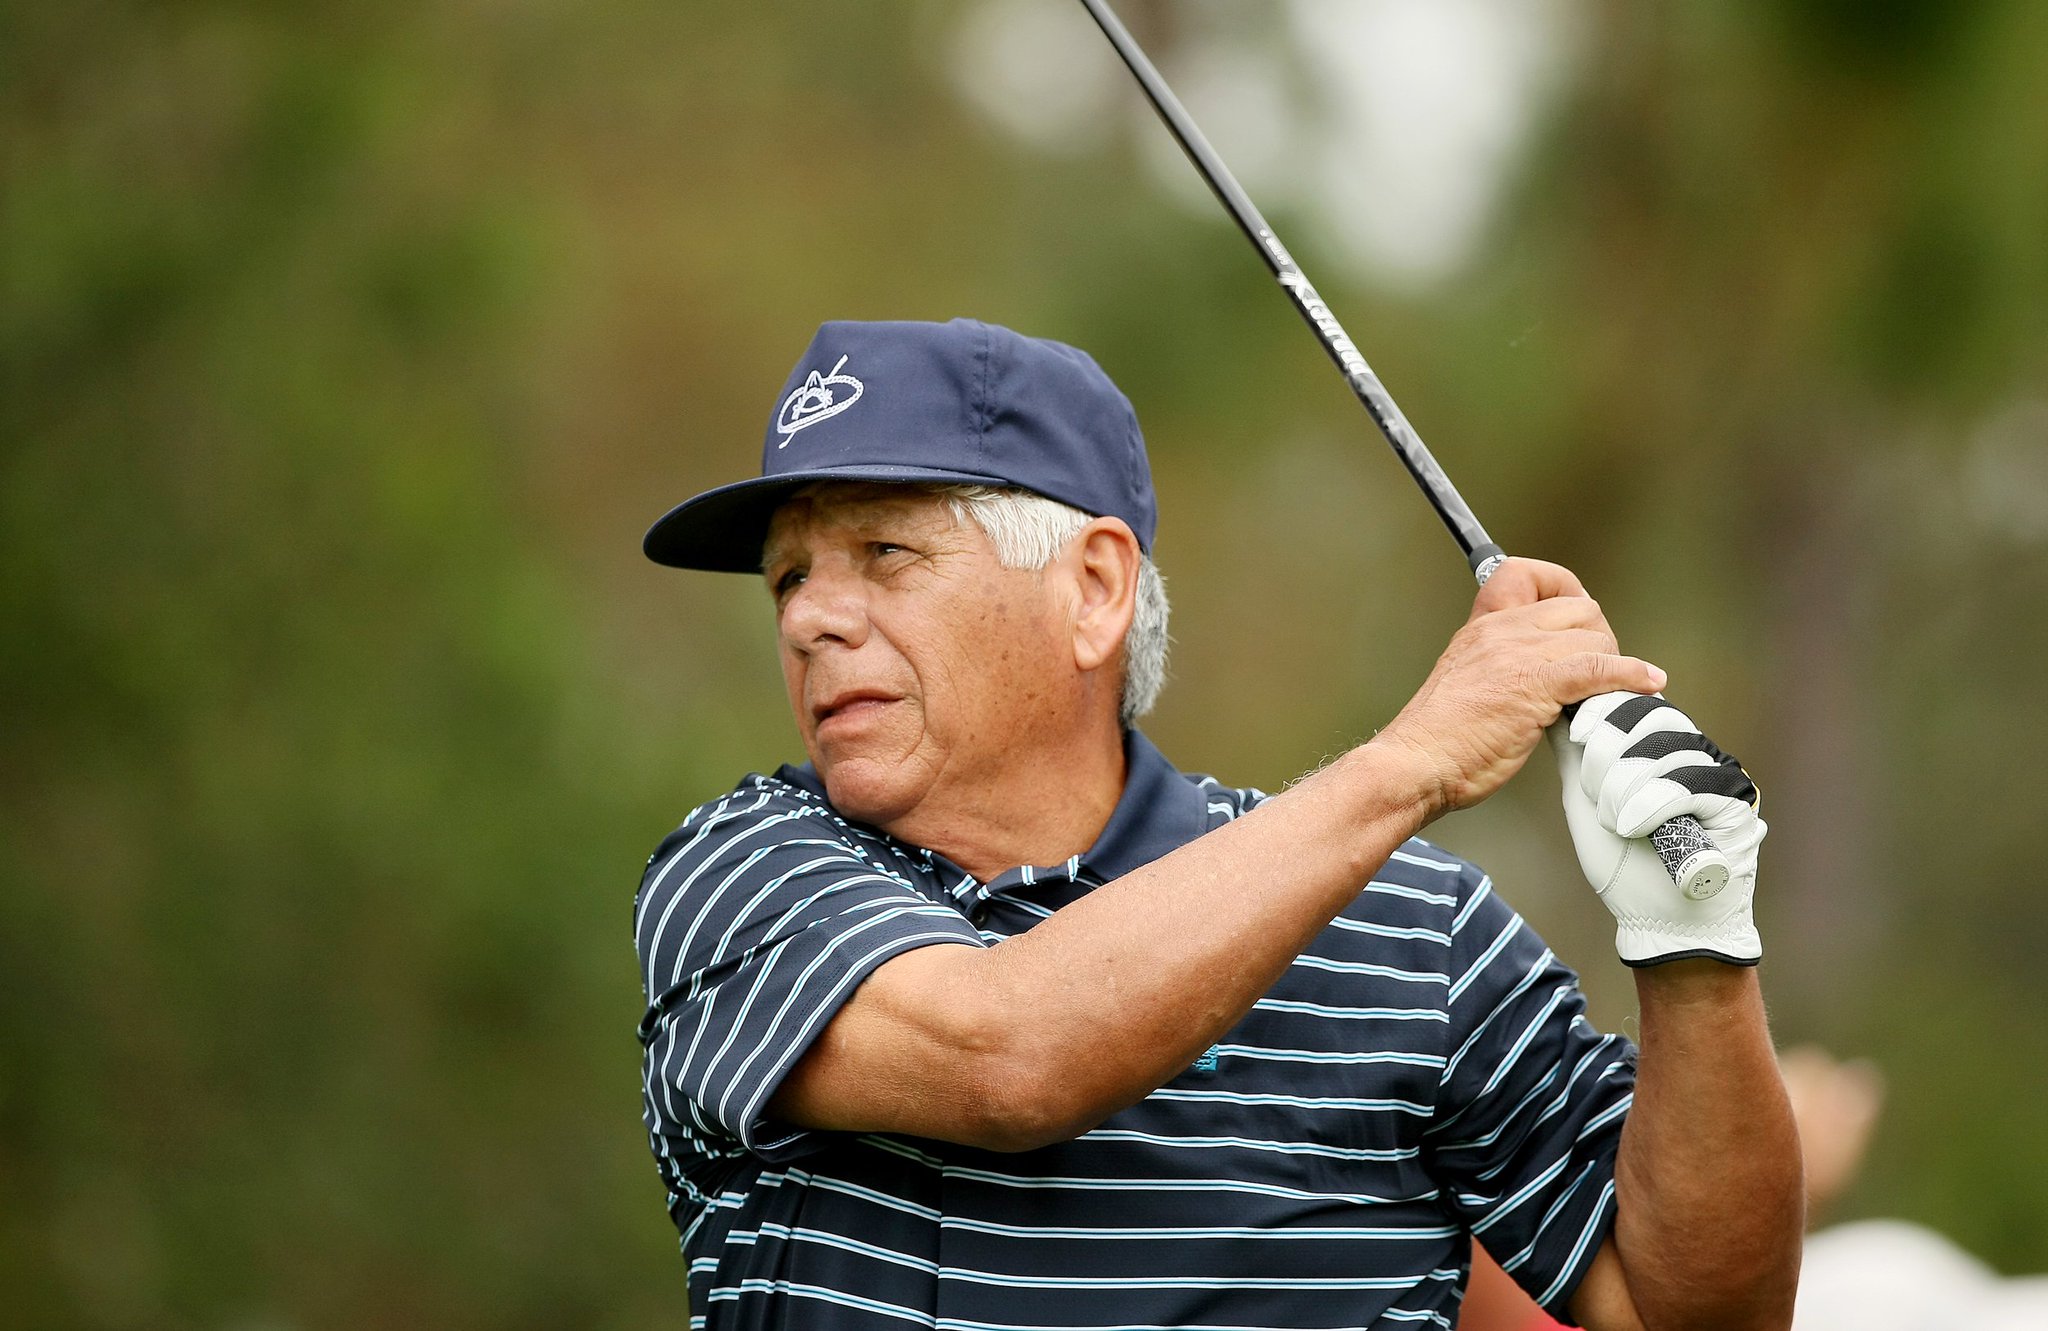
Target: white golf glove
(1631,762)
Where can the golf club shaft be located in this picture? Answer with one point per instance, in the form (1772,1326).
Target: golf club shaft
(1480,551)
(1687,852)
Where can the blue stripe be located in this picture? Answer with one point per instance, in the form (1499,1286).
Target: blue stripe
(1351,1013)
(1175,1185)
(1575,1260)
(823,1239)
(1187,1282)
(1310,961)
(728,1293)
(1437,936)
(1348,1057)
(1343,1104)
(1350,1233)
(1249,1144)
(1499,945)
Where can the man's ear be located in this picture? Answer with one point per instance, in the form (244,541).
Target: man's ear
(1104,560)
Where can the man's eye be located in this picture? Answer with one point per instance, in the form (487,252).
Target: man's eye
(788,583)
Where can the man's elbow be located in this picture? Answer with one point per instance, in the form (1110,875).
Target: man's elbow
(1752,1292)
(1759,1301)
(1023,1097)
(974,1063)
(1767,1314)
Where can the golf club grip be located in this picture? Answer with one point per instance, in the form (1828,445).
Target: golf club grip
(1690,856)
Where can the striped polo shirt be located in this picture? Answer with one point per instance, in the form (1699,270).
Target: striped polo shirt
(1423,1073)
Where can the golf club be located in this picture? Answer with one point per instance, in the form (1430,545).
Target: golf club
(1695,864)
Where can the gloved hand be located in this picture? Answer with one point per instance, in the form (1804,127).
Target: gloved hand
(1629,763)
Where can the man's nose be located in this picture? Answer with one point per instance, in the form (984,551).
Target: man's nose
(827,607)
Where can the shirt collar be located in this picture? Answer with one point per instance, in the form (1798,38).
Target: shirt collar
(1159,811)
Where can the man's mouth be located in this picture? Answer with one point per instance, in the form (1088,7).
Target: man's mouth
(851,704)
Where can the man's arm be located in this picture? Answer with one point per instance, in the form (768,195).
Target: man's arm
(1044,1035)
(1709,1198)
(1709,1193)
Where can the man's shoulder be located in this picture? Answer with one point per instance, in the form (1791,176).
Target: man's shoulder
(781,793)
(1225,801)
(775,828)
(1421,864)
(759,809)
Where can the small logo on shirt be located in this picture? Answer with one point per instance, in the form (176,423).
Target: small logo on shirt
(1208,1061)
(820,396)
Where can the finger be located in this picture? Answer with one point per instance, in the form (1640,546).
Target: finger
(1581,675)
(1524,582)
(1658,802)
(1563,612)
(1551,629)
(1633,728)
(1596,709)
(1646,794)
(1565,643)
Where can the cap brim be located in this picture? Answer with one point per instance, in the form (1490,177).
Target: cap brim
(722,530)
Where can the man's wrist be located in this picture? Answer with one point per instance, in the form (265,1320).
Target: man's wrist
(1695,982)
(1401,777)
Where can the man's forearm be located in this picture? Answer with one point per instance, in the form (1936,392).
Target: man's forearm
(1099,1005)
(1245,901)
(1709,1197)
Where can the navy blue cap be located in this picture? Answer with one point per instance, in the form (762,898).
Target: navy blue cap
(954,403)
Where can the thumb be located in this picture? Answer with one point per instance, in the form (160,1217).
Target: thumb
(1576,678)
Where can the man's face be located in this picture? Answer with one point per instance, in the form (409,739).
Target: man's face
(915,662)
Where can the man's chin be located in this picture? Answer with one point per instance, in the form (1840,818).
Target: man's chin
(875,791)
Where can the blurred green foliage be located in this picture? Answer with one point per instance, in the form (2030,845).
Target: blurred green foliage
(345,352)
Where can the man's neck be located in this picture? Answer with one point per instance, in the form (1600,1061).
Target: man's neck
(1044,808)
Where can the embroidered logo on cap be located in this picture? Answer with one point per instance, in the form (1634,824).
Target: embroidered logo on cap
(821,395)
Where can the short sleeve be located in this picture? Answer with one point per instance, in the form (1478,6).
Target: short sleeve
(1531,1106)
(754,922)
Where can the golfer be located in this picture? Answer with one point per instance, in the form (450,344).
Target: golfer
(987,1017)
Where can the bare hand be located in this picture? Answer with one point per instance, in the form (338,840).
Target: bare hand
(1535,642)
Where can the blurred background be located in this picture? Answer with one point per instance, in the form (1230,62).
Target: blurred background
(349,349)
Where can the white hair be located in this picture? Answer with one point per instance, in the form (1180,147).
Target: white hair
(1028,531)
